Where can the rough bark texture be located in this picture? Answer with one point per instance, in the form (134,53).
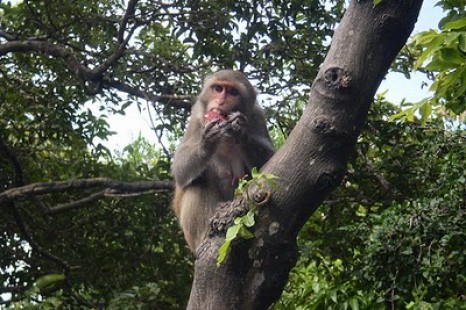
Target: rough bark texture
(312,161)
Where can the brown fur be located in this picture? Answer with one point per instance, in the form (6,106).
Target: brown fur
(212,157)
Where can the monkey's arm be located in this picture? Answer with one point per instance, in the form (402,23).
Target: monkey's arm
(259,149)
(191,157)
(259,145)
(195,151)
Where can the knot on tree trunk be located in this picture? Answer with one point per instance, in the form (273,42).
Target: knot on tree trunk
(337,78)
(226,214)
(228,211)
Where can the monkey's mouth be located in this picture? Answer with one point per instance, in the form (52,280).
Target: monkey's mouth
(218,111)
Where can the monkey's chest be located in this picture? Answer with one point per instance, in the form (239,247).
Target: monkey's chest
(230,166)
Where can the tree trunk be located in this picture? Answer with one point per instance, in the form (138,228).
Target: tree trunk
(311,163)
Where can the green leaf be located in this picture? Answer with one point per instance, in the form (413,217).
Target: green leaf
(456,24)
(222,252)
(248,219)
(425,110)
(354,303)
(433,46)
(333,296)
(245,233)
(462,42)
(49,280)
(446,58)
(424,107)
(232,232)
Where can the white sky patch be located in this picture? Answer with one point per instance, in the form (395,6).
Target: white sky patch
(398,87)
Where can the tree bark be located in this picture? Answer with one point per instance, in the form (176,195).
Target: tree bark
(312,161)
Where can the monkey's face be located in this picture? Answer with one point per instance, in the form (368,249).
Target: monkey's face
(224,98)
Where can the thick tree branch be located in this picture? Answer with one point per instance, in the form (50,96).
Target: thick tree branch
(6,35)
(312,161)
(76,204)
(129,14)
(86,201)
(119,51)
(51,49)
(96,75)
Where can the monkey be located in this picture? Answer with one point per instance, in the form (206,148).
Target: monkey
(225,137)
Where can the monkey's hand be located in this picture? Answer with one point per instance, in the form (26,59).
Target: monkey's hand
(216,130)
(231,129)
(238,123)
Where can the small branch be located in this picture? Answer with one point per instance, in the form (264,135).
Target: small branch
(158,130)
(381,180)
(51,49)
(70,59)
(28,237)
(177,101)
(119,51)
(13,289)
(90,199)
(75,204)
(6,35)
(42,188)
(130,10)
(9,153)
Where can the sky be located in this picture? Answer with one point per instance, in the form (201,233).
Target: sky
(128,127)
(397,85)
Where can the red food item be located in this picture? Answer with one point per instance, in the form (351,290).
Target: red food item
(212,116)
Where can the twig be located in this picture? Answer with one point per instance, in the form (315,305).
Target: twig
(84,202)
(42,188)
(177,101)
(28,237)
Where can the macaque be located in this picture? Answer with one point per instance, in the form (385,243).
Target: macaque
(225,138)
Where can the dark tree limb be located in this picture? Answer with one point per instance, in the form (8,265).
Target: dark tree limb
(32,242)
(377,175)
(93,75)
(8,152)
(48,48)
(43,188)
(94,79)
(177,101)
(312,161)
(123,42)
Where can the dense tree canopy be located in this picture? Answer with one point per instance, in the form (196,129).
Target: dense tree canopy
(85,227)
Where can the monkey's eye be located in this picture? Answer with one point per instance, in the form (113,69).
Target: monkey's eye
(217,88)
(233,92)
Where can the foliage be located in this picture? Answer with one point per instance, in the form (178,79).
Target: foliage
(441,54)
(241,225)
(132,242)
(392,236)
(65,68)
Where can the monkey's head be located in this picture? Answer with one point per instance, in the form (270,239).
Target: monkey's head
(227,91)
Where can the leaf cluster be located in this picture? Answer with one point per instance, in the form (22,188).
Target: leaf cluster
(442,55)
(392,235)
(241,225)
